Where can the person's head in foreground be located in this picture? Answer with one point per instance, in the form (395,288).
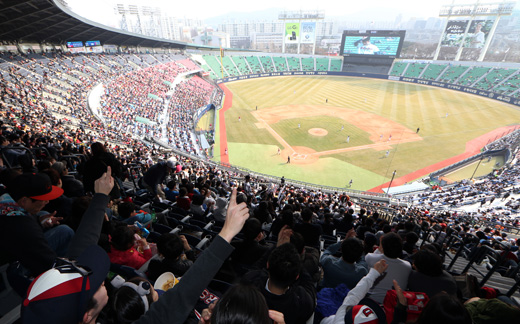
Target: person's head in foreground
(242,304)
(73,292)
(133,299)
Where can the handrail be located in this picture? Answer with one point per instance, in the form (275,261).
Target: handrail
(488,251)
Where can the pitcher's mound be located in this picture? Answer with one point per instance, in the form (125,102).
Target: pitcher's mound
(318,131)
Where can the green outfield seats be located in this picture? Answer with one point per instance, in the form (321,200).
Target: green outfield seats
(241,63)
(267,63)
(335,64)
(254,64)
(280,63)
(307,64)
(213,62)
(452,73)
(473,75)
(322,64)
(294,64)
(433,71)
(414,70)
(398,68)
(230,66)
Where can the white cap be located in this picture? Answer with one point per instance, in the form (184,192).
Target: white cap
(171,163)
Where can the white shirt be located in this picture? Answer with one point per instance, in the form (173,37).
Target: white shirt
(353,298)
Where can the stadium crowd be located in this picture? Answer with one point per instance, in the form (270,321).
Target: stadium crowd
(85,246)
(60,84)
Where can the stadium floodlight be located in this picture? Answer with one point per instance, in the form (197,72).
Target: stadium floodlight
(132,9)
(121,9)
(478,9)
(466,36)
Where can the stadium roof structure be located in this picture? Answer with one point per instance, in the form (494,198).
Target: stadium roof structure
(50,21)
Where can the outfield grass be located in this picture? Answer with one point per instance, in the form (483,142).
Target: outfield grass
(206,121)
(408,104)
(482,169)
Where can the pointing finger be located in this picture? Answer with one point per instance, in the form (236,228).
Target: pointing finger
(233,199)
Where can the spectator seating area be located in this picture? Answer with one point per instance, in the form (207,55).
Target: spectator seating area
(322,64)
(510,85)
(479,238)
(134,88)
(500,80)
(187,98)
(242,65)
(294,64)
(215,66)
(280,64)
(267,63)
(235,65)
(335,65)
(308,64)
(398,68)
(230,66)
(254,63)
(473,75)
(414,70)
(453,235)
(433,71)
(495,76)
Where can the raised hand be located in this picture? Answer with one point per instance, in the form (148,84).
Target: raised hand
(105,183)
(236,216)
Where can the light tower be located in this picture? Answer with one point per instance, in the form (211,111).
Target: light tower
(131,10)
(471,12)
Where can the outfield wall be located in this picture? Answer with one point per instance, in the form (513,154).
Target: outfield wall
(478,92)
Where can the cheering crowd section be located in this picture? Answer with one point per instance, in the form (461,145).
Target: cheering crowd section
(297,215)
(60,83)
(187,98)
(281,230)
(492,197)
(140,93)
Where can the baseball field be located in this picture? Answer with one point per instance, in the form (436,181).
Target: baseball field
(338,129)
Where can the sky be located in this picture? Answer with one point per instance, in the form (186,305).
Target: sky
(103,10)
(202,9)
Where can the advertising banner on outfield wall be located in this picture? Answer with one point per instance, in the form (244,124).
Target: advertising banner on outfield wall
(478,92)
(292,33)
(478,33)
(308,32)
(454,33)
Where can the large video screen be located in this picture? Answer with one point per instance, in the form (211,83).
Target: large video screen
(92,43)
(74,44)
(372,43)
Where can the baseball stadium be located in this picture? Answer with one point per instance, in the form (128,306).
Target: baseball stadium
(151,161)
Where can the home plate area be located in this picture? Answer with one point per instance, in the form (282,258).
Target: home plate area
(298,156)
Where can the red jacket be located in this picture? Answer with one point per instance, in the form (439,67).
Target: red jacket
(130,257)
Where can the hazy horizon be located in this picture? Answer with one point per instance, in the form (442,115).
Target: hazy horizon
(103,10)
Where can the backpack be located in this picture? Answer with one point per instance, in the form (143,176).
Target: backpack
(416,303)
(467,286)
